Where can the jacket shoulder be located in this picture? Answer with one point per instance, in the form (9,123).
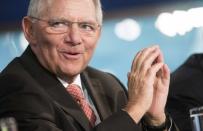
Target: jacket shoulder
(105,78)
(101,75)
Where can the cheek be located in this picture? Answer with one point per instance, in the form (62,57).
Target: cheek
(90,48)
(48,45)
(44,38)
(91,45)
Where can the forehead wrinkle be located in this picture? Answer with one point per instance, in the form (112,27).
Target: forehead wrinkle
(68,10)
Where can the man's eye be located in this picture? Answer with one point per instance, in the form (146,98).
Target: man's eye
(87,26)
(57,24)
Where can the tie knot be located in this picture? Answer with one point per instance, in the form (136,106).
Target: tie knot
(75,91)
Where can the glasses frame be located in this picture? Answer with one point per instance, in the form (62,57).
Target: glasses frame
(53,30)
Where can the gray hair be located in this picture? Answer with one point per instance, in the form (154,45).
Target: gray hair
(36,8)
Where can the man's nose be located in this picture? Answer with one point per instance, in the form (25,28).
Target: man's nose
(73,35)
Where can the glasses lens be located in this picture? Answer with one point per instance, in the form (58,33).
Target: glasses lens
(60,27)
(54,30)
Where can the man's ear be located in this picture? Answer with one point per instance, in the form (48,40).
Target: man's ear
(28,30)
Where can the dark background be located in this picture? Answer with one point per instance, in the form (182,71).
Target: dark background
(12,11)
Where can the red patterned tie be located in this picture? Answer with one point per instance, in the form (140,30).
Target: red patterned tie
(76,93)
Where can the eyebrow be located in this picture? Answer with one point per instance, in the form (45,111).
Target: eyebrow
(64,20)
(58,19)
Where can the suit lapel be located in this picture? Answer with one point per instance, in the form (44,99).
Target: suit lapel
(54,88)
(97,94)
(64,100)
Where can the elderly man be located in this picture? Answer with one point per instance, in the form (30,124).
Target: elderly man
(52,88)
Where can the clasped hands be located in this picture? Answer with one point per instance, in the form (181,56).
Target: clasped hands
(148,84)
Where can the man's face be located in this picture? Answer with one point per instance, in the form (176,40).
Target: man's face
(65,54)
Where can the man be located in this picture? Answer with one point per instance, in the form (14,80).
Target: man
(186,91)
(51,88)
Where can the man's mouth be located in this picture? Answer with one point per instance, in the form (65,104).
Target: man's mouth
(71,55)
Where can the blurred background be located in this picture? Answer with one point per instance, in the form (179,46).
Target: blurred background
(129,25)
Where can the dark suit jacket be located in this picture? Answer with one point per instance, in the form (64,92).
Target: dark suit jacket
(39,102)
(186,91)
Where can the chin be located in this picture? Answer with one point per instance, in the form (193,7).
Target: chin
(71,72)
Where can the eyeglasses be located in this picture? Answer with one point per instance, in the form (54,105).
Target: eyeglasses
(63,26)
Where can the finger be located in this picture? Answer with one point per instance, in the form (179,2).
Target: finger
(155,68)
(166,72)
(134,65)
(150,60)
(160,58)
(138,62)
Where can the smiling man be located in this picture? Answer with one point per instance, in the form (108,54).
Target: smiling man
(52,88)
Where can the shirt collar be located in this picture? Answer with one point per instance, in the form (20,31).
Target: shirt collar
(77,81)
